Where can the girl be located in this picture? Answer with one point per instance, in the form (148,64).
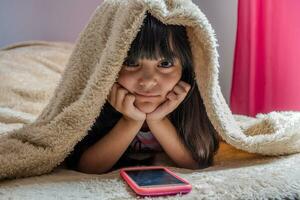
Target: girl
(155,106)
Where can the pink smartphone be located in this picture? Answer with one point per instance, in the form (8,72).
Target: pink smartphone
(154,181)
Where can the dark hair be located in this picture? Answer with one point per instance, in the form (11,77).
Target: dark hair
(190,117)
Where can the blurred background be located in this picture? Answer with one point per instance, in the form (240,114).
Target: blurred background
(63,20)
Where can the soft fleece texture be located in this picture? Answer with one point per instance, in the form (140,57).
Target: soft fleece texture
(44,142)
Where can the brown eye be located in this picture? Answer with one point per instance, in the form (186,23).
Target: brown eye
(166,64)
(130,63)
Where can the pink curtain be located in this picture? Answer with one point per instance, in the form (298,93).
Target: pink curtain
(266,73)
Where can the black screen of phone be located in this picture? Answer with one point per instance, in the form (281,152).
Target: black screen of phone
(153,177)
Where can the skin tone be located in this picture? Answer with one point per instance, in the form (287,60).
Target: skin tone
(160,77)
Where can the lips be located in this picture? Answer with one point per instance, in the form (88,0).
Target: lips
(147,94)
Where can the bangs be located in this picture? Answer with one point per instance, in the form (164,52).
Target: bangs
(156,40)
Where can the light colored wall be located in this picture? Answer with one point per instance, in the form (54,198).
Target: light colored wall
(62,20)
(223,16)
(59,20)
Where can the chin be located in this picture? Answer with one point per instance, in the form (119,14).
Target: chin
(146,107)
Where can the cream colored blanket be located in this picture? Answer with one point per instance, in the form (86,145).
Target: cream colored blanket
(46,108)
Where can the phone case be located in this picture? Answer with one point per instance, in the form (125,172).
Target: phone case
(155,191)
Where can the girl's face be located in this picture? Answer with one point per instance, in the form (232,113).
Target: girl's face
(150,77)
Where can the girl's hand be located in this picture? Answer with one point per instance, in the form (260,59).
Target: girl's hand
(122,101)
(174,98)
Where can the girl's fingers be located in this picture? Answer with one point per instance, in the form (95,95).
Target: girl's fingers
(172,96)
(120,97)
(181,89)
(109,96)
(113,94)
(123,101)
(185,86)
(128,101)
(132,111)
(178,89)
(177,93)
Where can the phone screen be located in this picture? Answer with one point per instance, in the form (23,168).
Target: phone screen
(153,177)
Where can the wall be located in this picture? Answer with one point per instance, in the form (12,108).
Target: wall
(59,20)
(223,18)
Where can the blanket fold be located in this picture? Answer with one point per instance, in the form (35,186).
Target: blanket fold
(90,68)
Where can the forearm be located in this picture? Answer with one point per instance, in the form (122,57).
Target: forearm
(100,157)
(166,134)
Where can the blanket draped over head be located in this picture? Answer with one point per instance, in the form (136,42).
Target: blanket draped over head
(93,66)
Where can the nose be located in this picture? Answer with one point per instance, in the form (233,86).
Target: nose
(148,80)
